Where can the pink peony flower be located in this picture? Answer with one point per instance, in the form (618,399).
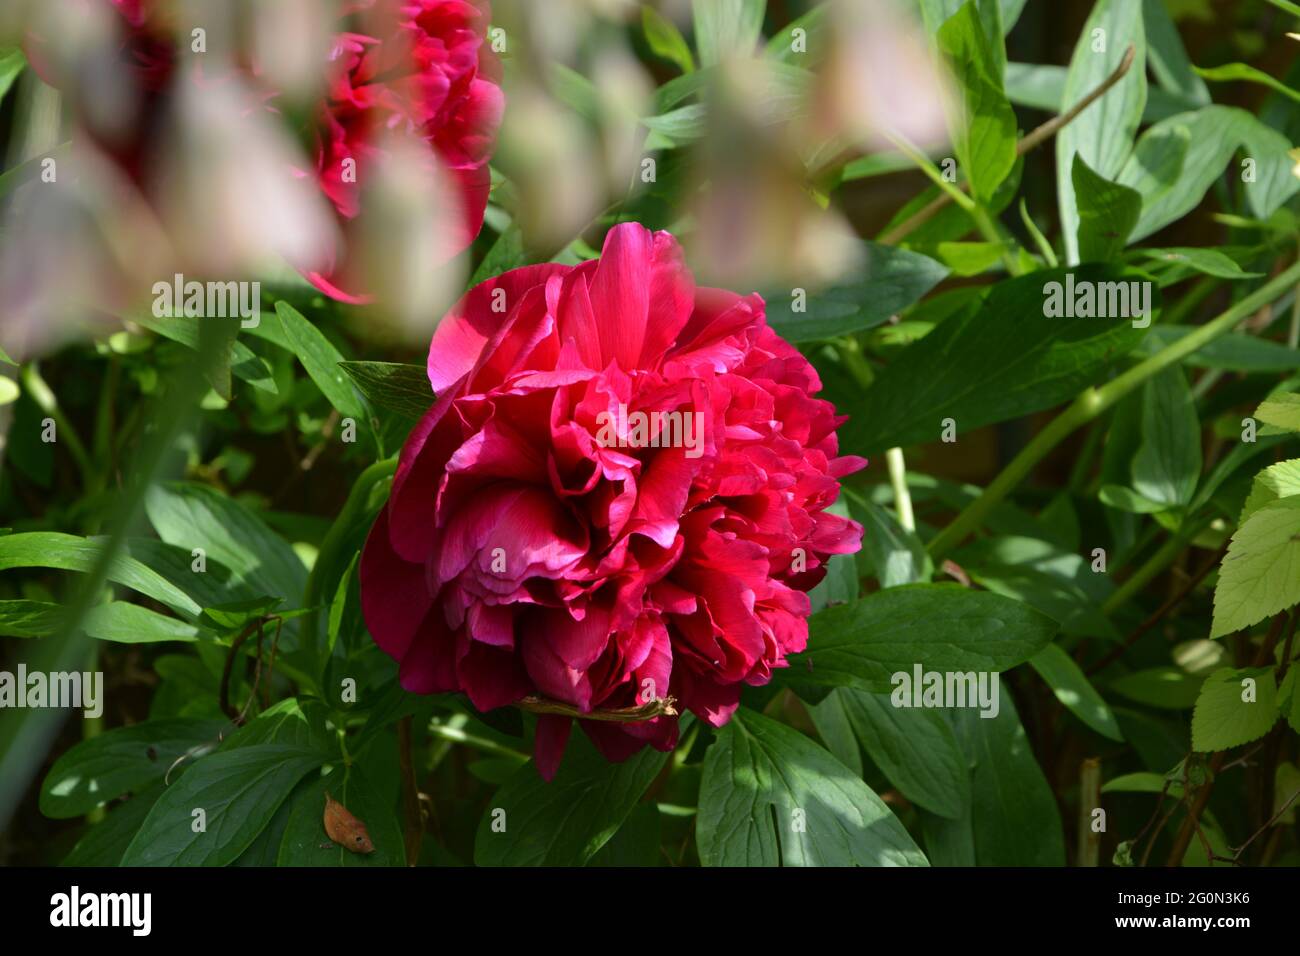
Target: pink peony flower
(430,76)
(542,539)
(118,91)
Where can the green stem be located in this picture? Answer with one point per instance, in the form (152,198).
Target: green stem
(337,536)
(1083,463)
(41,393)
(1293,335)
(458,736)
(1187,303)
(1160,559)
(1093,401)
(987,229)
(908,149)
(898,479)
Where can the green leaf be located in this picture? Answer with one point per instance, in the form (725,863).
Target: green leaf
(665,40)
(727,28)
(238,790)
(66,552)
(890,281)
(1166,687)
(967,258)
(939,627)
(1288,696)
(897,554)
(193,516)
(769,796)
(321,360)
(23,618)
(344,616)
(1281,410)
(1168,460)
(1003,14)
(1155,170)
(915,748)
(576,91)
(126,759)
(1286,787)
(1238,352)
(125,623)
(985,138)
(1234,708)
(1176,161)
(676,128)
(1244,71)
(1059,583)
(1042,87)
(104,843)
(399,388)
(1209,262)
(213,588)
(1168,57)
(1260,575)
(1073,689)
(506,253)
(187,330)
(305,842)
(636,843)
(841,584)
(230,616)
(564,822)
(1006,359)
(831,719)
(1142,782)
(1107,213)
(814,24)
(1287,6)
(1103,133)
(115,621)
(1015,820)
(290,723)
(1276,481)
(12,63)
(265,848)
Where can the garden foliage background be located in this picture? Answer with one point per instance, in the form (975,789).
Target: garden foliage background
(1103,512)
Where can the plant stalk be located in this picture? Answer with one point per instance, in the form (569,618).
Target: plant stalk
(1093,401)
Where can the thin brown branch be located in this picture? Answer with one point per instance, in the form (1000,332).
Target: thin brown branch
(1089,839)
(1192,823)
(1272,820)
(1158,615)
(1031,140)
(660,707)
(224,695)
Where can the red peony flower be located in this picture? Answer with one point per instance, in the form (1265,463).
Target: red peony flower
(432,77)
(618,496)
(142,58)
(429,75)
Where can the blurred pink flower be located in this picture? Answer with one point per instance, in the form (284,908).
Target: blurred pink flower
(538,541)
(423,72)
(431,76)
